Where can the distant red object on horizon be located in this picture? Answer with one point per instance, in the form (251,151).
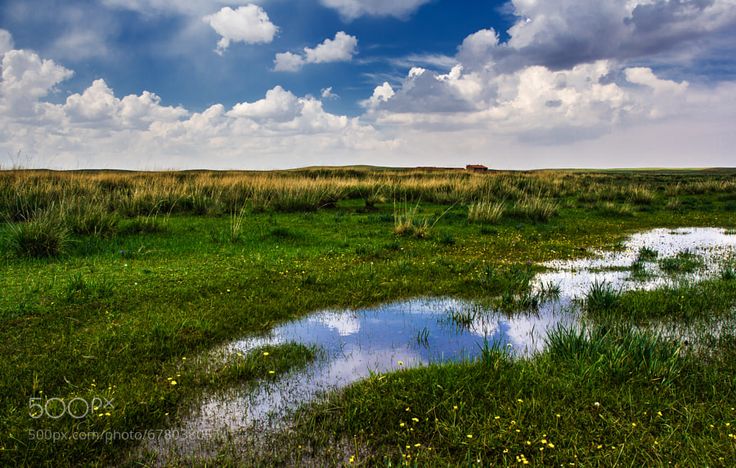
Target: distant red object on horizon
(476,168)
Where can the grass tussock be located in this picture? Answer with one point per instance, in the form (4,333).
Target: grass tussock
(535,208)
(44,236)
(683,262)
(485,211)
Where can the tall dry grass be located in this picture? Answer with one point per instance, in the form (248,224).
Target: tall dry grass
(97,198)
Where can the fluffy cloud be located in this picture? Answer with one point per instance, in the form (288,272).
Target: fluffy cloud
(381,94)
(25,79)
(288,62)
(555,80)
(279,105)
(534,105)
(97,106)
(95,128)
(560,34)
(249,24)
(351,9)
(340,49)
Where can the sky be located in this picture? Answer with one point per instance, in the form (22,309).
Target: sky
(269,84)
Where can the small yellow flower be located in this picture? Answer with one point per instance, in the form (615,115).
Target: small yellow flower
(266,353)
(417,445)
(272,372)
(497,418)
(352,459)
(470,436)
(659,413)
(401,424)
(551,445)
(173,382)
(416,420)
(519,400)
(454,407)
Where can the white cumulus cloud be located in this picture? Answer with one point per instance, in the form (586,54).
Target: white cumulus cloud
(288,62)
(96,128)
(340,49)
(279,105)
(249,24)
(97,106)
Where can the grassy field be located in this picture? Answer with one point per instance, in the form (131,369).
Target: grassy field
(116,287)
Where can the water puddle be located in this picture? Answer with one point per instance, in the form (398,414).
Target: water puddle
(707,248)
(400,335)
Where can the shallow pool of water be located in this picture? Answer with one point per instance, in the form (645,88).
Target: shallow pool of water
(575,277)
(400,335)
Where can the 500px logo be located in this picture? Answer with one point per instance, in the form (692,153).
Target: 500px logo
(56,408)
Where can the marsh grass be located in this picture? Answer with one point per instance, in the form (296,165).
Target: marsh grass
(608,208)
(236,224)
(683,262)
(409,222)
(43,236)
(626,394)
(683,302)
(535,208)
(485,211)
(91,220)
(143,302)
(79,289)
(601,297)
(647,254)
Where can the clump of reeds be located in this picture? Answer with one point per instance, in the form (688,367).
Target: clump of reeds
(408,223)
(615,209)
(535,208)
(601,297)
(43,236)
(486,211)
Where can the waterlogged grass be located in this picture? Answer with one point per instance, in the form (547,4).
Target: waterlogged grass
(683,262)
(595,397)
(684,302)
(173,267)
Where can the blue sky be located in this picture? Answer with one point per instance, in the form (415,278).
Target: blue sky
(238,84)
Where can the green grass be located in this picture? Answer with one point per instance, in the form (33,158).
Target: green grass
(680,303)
(43,236)
(115,310)
(595,397)
(683,262)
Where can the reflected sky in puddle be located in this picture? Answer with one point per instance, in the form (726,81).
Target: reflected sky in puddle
(384,338)
(391,337)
